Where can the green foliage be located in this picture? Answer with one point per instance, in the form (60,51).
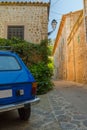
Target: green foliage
(50,50)
(29,52)
(36,57)
(42,74)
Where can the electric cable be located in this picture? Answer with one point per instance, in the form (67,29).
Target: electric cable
(55,2)
(56,13)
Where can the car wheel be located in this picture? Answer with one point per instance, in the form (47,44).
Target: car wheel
(24,113)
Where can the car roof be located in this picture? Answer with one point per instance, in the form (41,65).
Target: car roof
(2,52)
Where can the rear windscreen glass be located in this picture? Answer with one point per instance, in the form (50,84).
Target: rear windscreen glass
(9,63)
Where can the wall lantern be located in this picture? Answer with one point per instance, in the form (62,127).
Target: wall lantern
(53,24)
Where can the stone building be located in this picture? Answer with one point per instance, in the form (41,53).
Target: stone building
(70,48)
(27,20)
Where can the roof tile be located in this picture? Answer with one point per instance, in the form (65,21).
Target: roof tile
(44,1)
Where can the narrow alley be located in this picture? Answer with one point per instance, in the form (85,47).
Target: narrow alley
(63,108)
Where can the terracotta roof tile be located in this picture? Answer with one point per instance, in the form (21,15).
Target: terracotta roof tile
(40,1)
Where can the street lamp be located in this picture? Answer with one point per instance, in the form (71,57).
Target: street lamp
(53,24)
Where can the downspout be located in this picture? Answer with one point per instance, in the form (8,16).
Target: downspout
(49,9)
(74,64)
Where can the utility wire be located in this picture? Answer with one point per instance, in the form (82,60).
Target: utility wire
(56,13)
(55,2)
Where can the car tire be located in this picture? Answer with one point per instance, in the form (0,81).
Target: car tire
(24,113)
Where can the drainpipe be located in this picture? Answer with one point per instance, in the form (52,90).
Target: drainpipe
(74,56)
(49,6)
(74,61)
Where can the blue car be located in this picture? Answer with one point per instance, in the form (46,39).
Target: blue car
(17,85)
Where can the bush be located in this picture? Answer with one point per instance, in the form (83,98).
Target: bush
(42,74)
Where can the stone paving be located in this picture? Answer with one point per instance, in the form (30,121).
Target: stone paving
(42,117)
(65,114)
(54,112)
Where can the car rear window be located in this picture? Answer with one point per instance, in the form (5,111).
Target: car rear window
(9,63)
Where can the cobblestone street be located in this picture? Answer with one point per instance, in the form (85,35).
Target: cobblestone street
(53,112)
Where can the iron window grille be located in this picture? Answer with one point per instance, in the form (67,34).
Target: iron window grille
(15,31)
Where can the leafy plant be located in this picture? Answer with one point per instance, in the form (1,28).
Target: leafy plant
(42,74)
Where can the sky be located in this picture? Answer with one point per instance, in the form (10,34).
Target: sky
(60,7)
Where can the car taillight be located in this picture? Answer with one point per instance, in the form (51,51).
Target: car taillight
(34,87)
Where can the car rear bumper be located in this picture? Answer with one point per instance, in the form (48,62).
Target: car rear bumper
(13,106)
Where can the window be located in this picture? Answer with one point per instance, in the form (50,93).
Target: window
(8,63)
(15,31)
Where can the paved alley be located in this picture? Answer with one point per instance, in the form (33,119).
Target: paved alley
(63,108)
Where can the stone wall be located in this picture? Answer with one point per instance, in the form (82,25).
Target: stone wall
(64,69)
(72,57)
(34,18)
(81,54)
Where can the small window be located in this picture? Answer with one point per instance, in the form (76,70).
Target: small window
(9,63)
(15,31)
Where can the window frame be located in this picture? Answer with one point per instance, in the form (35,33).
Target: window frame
(15,31)
(20,67)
